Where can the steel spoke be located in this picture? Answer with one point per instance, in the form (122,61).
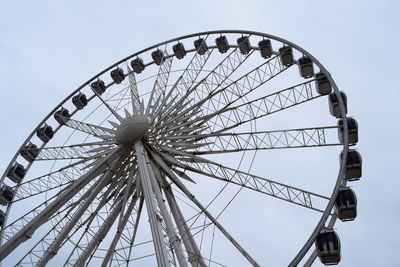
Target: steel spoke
(135,100)
(94,130)
(27,231)
(183,188)
(266,186)
(160,84)
(252,141)
(78,151)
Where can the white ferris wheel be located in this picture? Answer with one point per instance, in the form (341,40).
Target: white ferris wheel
(160,158)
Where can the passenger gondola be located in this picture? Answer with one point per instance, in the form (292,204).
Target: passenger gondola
(45,133)
(346,204)
(80,101)
(222,44)
(98,87)
(62,116)
(327,244)
(16,173)
(201,46)
(334,107)
(117,75)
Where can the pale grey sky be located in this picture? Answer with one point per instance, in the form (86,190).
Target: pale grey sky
(49,48)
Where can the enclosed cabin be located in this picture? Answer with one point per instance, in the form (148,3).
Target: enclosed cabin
(327,244)
(16,173)
(137,65)
(117,75)
(45,133)
(265,48)
(30,152)
(201,46)
(353,170)
(222,44)
(334,107)
(346,204)
(352,127)
(80,101)
(98,87)
(306,68)
(286,55)
(6,195)
(322,83)
(244,44)
(2,218)
(62,116)
(158,57)
(179,50)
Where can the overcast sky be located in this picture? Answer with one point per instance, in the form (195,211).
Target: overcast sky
(49,48)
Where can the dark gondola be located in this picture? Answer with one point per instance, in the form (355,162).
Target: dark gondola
(6,195)
(158,57)
(222,44)
(306,68)
(62,116)
(98,87)
(16,173)
(323,85)
(327,244)
(244,44)
(45,133)
(265,48)
(80,101)
(30,152)
(137,65)
(346,205)
(352,126)
(286,55)
(179,50)
(353,169)
(334,107)
(201,46)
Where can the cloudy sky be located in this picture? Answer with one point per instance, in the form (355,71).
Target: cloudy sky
(48,48)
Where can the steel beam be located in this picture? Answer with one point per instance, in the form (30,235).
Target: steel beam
(151,205)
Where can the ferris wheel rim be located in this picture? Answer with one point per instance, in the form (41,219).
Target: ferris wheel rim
(340,181)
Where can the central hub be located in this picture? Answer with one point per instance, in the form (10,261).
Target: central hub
(132,129)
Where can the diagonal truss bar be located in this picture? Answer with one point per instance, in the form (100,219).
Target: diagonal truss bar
(120,228)
(93,218)
(95,130)
(27,231)
(159,161)
(52,180)
(220,101)
(135,225)
(244,85)
(231,117)
(266,105)
(78,151)
(183,84)
(194,254)
(51,251)
(215,79)
(100,233)
(262,140)
(278,190)
(60,219)
(266,186)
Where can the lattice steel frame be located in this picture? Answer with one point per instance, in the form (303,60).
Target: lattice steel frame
(105,134)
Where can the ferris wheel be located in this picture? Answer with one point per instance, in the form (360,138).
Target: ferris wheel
(142,164)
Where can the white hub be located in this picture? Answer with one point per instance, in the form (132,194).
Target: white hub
(132,129)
